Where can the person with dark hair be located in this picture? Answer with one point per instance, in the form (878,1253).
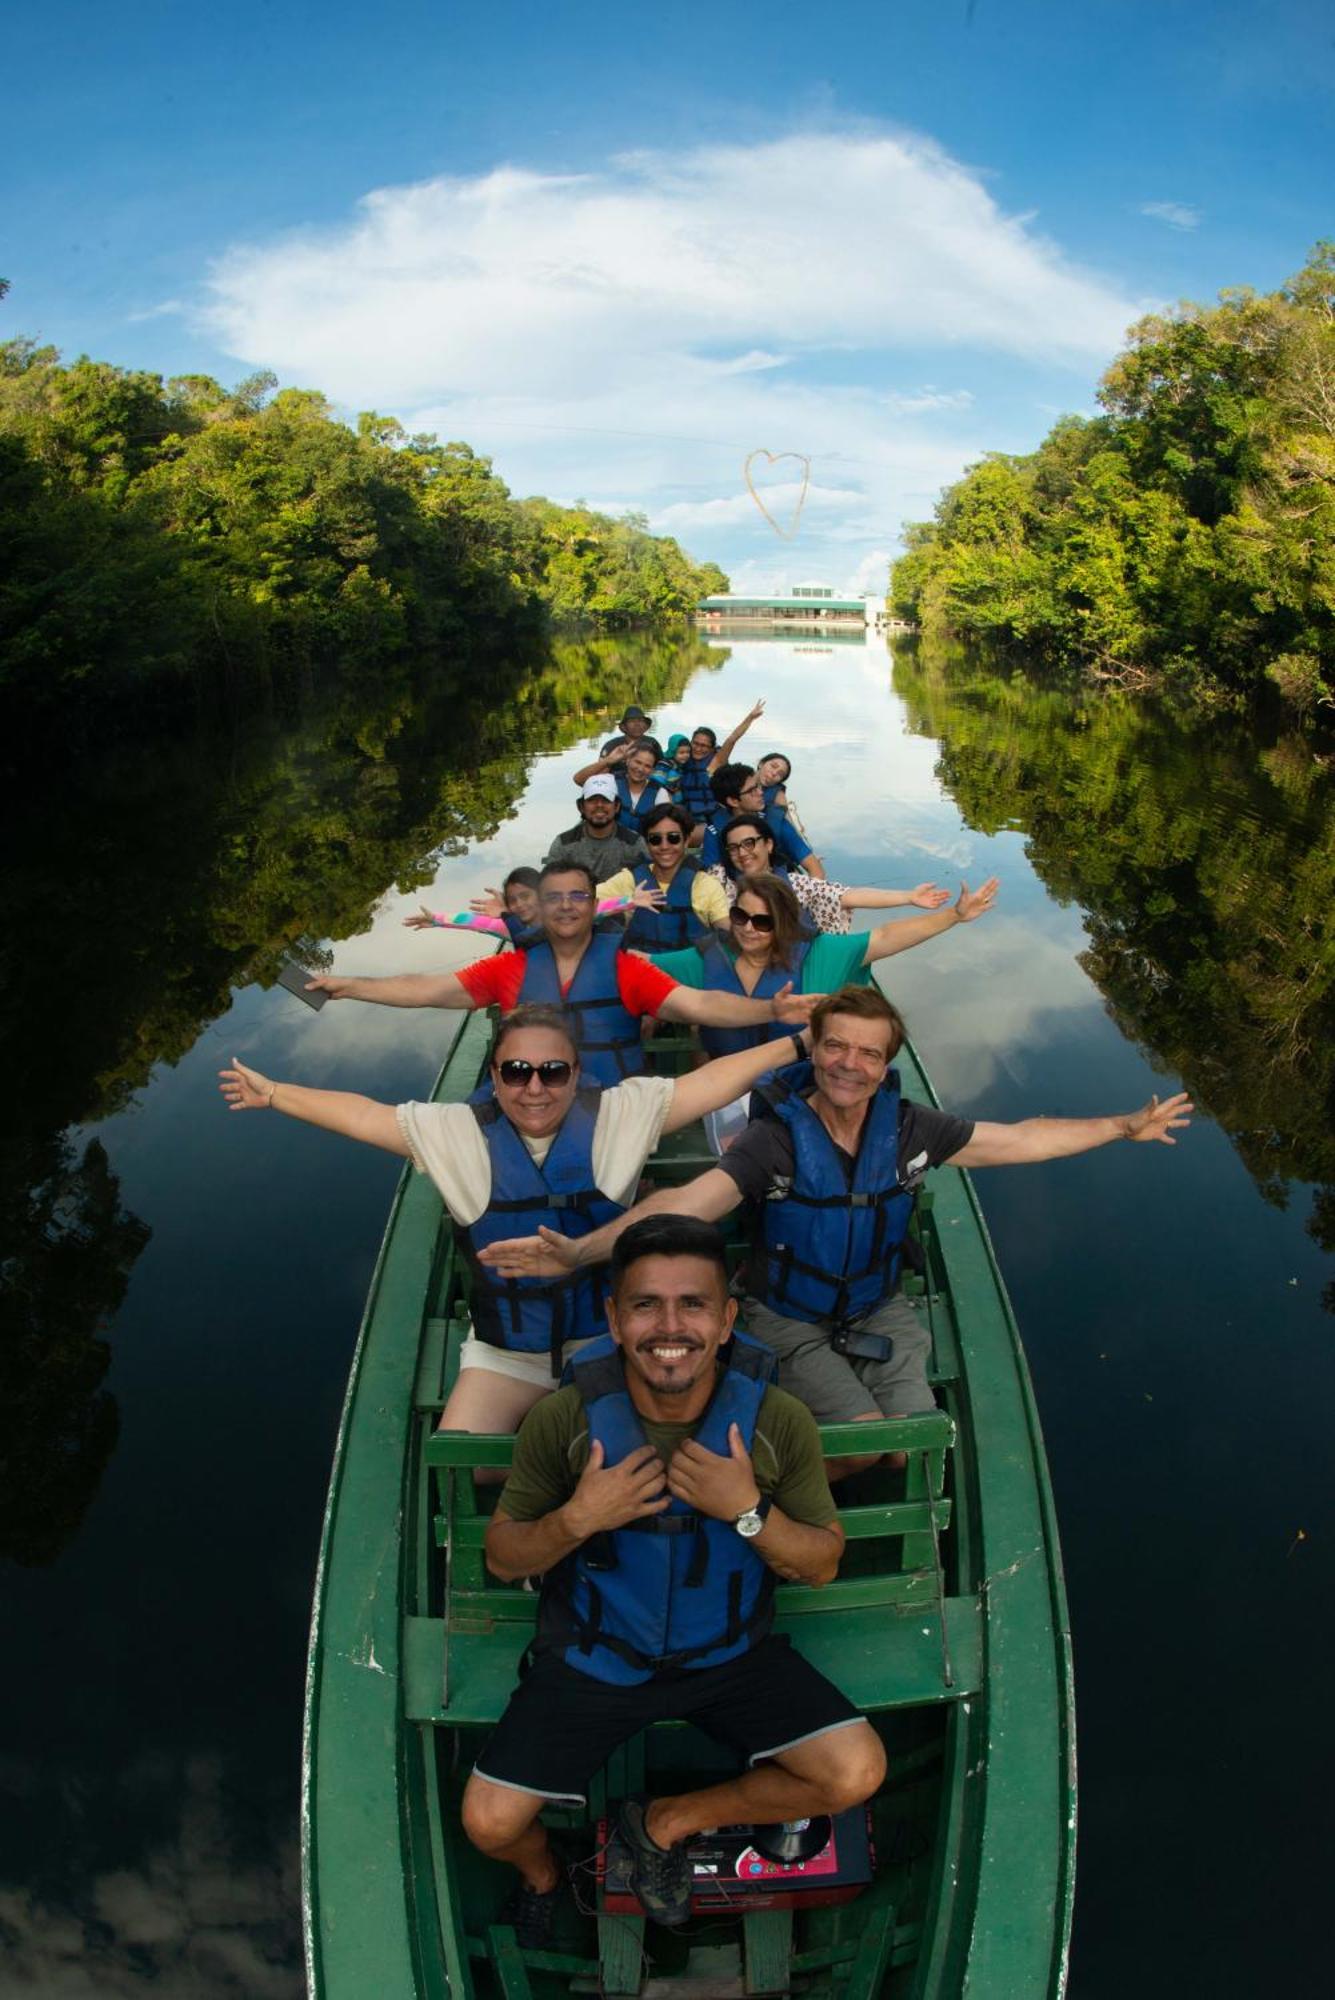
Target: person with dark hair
(737,789)
(664,1491)
(584,969)
(631,768)
(688,904)
(706,756)
(769,946)
(599,843)
(748,849)
(635,726)
(774,770)
(540,1150)
(829,1167)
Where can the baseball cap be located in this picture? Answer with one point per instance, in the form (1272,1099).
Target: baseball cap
(600,786)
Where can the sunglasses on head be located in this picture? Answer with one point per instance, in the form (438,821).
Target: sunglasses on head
(664,839)
(516,1071)
(759,920)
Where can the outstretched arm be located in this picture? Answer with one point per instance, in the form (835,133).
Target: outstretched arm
(335,1110)
(708,1197)
(405,989)
(733,1010)
(607,763)
(925,897)
(887,939)
(723,755)
(1036,1139)
(719,1082)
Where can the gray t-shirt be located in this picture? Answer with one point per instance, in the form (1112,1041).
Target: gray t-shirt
(763,1155)
(605,857)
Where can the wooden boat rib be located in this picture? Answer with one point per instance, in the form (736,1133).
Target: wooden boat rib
(413,1652)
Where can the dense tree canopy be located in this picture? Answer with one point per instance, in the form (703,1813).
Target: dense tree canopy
(1185,536)
(168,537)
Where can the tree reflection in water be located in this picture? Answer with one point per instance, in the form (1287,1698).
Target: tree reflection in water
(1203,856)
(167,876)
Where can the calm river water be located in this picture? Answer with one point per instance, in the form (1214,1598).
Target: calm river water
(188,1285)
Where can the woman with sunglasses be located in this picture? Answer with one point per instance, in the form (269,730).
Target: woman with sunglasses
(687,904)
(542,1152)
(747,845)
(768,947)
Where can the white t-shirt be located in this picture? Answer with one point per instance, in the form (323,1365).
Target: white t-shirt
(446,1142)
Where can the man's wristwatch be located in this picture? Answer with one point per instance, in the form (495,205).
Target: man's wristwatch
(753,1520)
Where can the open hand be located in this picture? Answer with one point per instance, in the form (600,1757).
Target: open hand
(490,904)
(976,902)
(424,922)
(1159,1121)
(244,1088)
(928,897)
(647,898)
(546,1255)
(793,1009)
(723,1488)
(610,1496)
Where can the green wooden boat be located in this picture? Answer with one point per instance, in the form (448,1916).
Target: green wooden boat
(947,1625)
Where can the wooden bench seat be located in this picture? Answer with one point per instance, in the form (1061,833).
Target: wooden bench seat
(881,1657)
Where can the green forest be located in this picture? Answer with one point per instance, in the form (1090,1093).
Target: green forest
(170,539)
(1184,538)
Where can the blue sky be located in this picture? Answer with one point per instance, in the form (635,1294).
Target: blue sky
(620,249)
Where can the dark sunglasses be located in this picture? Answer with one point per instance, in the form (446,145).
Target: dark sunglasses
(664,839)
(759,920)
(516,1072)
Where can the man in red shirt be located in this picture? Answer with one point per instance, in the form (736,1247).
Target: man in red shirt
(607,990)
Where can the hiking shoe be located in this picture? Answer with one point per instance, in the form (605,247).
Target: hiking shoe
(660,1876)
(531,1913)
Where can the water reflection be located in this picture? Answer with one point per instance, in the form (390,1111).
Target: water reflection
(1204,860)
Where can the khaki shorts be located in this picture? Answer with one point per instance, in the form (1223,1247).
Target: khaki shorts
(837,1388)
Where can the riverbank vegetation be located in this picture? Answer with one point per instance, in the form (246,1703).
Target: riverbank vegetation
(179,539)
(1186,536)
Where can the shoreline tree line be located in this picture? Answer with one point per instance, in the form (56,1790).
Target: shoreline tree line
(1183,539)
(178,539)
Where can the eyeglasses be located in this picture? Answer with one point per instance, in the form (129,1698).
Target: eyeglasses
(550,898)
(759,920)
(751,792)
(747,846)
(663,839)
(516,1072)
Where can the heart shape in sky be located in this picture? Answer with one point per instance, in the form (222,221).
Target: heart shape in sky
(772,459)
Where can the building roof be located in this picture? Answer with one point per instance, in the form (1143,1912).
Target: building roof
(782,604)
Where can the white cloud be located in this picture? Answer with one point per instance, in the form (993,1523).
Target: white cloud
(1175,213)
(640,329)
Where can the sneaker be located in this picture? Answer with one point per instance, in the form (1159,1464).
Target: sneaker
(660,1876)
(531,1913)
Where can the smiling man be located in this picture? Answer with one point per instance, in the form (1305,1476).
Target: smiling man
(599,843)
(659,1497)
(829,1167)
(605,989)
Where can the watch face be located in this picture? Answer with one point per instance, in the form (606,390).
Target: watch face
(748,1524)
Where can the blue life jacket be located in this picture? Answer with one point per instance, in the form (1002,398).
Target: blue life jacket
(696,793)
(674,923)
(676,1589)
(535,1315)
(632,817)
(830,1247)
(789,846)
(608,1033)
(774,813)
(721,977)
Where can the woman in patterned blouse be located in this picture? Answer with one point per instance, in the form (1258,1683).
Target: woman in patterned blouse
(748,849)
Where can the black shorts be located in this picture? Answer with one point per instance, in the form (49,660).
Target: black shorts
(561,1726)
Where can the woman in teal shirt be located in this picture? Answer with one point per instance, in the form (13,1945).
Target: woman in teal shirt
(768,948)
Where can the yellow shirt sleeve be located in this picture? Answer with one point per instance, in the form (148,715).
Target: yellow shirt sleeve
(616,885)
(708,899)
